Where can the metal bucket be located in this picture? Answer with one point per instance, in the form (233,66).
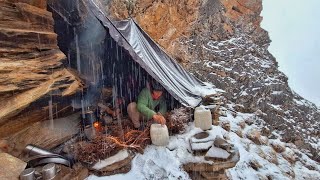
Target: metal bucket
(28,174)
(49,171)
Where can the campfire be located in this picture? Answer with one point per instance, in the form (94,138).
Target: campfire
(124,136)
(106,145)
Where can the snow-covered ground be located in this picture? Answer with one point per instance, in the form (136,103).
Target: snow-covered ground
(166,162)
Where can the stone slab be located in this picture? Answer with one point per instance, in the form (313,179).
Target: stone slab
(10,167)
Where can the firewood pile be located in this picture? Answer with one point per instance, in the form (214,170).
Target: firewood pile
(106,145)
(121,137)
(177,120)
(91,152)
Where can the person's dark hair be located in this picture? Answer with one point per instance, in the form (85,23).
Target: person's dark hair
(156,86)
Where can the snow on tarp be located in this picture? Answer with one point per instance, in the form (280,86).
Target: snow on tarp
(184,87)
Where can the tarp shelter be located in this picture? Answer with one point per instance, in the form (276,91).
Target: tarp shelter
(183,86)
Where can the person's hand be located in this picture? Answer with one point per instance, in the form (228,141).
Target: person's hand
(159,119)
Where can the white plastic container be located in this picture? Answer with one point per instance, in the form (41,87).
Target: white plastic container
(202,118)
(159,134)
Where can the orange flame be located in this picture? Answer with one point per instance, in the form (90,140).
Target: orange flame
(96,125)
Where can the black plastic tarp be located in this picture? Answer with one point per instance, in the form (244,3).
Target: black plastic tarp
(183,86)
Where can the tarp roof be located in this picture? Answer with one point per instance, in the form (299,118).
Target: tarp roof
(183,86)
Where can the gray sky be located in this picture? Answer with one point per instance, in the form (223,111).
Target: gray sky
(294,28)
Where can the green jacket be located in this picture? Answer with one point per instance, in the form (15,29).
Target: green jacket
(146,105)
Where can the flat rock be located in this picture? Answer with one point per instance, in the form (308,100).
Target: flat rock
(201,141)
(117,164)
(10,167)
(213,167)
(202,137)
(206,167)
(201,146)
(76,173)
(120,170)
(217,153)
(44,134)
(109,163)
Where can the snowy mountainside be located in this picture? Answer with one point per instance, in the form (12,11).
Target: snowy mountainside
(249,75)
(268,159)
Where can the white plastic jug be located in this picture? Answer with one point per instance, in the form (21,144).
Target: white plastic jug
(159,134)
(202,118)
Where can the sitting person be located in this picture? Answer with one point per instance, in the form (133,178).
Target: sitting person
(151,105)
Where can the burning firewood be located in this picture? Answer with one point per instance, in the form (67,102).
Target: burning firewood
(99,148)
(104,146)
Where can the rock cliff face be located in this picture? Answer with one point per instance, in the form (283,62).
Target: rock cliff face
(31,64)
(221,41)
(165,21)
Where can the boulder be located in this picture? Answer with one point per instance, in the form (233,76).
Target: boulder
(242,124)
(254,135)
(264,140)
(249,121)
(278,146)
(10,167)
(225,125)
(289,155)
(271,156)
(265,131)
(255,164)
(238,131)
(222,143)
